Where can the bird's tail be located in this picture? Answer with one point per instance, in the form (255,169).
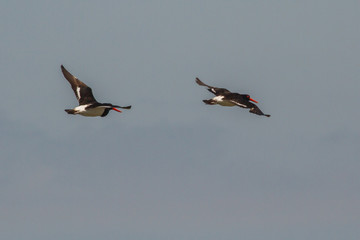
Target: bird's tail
(267,115)
(70,111)
(209,102)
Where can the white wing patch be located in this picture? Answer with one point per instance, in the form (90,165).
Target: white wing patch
(81,108)
(213,90)
(218,98)
(78,93)
(239,104)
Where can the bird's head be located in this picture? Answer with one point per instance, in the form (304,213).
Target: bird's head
(114,107)
(111,107)
(250,99)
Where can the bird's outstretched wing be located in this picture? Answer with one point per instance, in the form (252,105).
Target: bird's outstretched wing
(254,109)
(126,107)
(214,90)
(82,92)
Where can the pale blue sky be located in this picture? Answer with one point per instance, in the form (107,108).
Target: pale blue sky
(173,167)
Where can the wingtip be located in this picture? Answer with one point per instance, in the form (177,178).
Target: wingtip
(64,71)
(126,107)
(199,82)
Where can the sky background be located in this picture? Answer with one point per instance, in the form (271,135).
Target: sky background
(173,167)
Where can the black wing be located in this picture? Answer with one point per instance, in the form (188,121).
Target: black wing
(82,92)
(238,99)
(214,90)
(106,111)
(254,109)
(126,107)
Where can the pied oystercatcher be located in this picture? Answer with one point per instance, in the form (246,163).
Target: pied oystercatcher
(226,98)
(88,106)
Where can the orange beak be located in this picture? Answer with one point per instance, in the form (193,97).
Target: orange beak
(116,109)
(253,100)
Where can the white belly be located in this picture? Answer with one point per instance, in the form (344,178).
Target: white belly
(92,112)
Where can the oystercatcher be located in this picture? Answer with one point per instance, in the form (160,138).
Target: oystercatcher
(88,106)
(226,98)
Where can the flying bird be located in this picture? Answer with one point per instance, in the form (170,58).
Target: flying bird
(226,98)
(88,106)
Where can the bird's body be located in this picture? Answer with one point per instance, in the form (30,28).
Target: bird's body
(88,106)
(226,98)
(221,100)
(92,110)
